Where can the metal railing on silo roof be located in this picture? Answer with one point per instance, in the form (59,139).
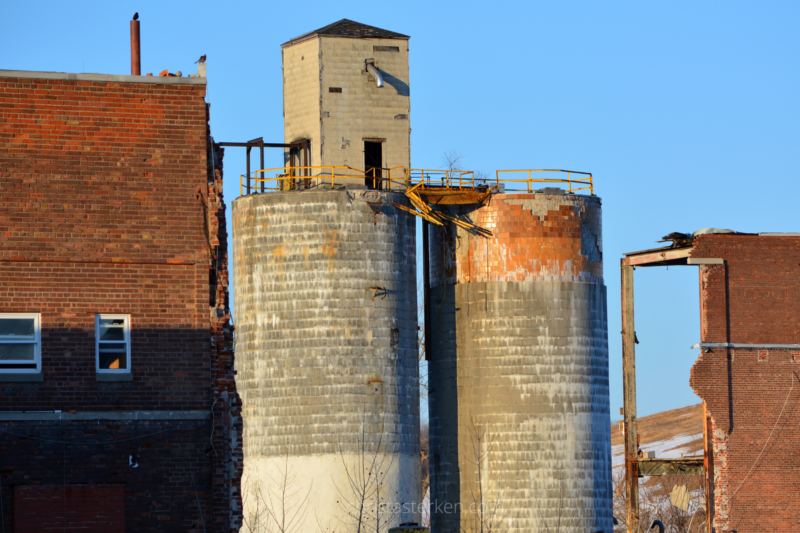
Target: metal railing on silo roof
(296,178)
(400,178)
(574,184)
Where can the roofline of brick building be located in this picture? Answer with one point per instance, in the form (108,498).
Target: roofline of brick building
(114,78)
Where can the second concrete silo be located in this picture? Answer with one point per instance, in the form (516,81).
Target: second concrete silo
(519,392)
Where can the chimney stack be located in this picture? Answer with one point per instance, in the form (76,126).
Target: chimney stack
(136,58)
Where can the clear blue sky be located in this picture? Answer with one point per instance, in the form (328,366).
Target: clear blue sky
(687,113)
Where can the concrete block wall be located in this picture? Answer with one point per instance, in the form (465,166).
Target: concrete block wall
(301,96)
(338,122)
(325,287)
(362,110)
(750,391)
(519,392)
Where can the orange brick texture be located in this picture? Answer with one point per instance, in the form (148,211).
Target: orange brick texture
(751,394)
(519,357)
(111,204)
(558,240)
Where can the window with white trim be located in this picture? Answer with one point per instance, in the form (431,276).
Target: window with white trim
(20,343)
(113,343)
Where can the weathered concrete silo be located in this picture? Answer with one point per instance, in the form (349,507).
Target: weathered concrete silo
(519,392)
(325,295)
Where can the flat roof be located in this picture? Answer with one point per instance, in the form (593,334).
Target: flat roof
(113,78)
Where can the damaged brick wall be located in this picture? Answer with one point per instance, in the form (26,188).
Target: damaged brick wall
(111,204)
(751,392)
(227,406)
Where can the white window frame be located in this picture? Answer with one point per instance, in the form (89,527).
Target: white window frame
(37,350)
(126,329)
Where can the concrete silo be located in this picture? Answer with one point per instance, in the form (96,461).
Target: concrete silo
(325,293)
(518,372)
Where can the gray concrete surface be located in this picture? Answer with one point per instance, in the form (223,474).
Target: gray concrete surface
(326,368)
(519,390)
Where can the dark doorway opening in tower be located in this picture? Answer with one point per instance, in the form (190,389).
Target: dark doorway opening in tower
(373,164)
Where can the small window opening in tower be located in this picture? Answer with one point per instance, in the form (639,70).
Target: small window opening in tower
(373,164)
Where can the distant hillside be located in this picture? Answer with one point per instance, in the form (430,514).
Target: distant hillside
(668,433)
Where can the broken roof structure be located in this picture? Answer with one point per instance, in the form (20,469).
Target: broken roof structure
(746,374)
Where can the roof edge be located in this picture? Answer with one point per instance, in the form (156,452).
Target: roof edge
(114,78)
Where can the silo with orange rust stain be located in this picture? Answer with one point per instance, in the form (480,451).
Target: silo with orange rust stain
(519,390)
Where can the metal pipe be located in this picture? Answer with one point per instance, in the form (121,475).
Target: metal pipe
(136,55)
(375,74)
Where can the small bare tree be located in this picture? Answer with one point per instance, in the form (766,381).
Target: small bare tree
(561,522)
(362,499)
(488,515)
(282,509)
(452,160)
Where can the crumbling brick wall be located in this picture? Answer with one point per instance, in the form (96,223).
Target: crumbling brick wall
(751,391)
(111,204)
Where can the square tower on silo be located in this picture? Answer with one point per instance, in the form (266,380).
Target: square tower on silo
(346,92)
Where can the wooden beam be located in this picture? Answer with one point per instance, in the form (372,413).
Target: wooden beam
(657,257)
(629,393)
(687,466)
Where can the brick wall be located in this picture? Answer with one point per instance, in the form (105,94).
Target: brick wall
(751,393)
(539,237)
(111,204)
(96,508)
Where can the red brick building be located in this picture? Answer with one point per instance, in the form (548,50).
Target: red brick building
(118,408)
(748,376)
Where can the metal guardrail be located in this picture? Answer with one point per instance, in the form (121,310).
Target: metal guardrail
(574,184)
(400,178)
(291,178)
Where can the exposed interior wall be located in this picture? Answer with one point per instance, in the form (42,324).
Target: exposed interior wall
(751,394)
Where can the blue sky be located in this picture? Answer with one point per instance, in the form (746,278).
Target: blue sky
(687,113)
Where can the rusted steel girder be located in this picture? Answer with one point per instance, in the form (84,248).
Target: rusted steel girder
(629,393)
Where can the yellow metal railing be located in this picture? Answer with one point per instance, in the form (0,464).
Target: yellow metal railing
(285,178)
(401,178)
(459,179)
(574,184)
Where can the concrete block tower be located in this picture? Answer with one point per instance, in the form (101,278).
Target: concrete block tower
(346,91)
(519,392)
(325,300)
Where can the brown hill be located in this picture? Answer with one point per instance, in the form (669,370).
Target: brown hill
(666,426)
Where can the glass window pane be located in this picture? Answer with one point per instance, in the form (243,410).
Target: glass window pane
(112,333)
(112,321)
(17,352)
(111,361)
(17,327)
(113,356)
